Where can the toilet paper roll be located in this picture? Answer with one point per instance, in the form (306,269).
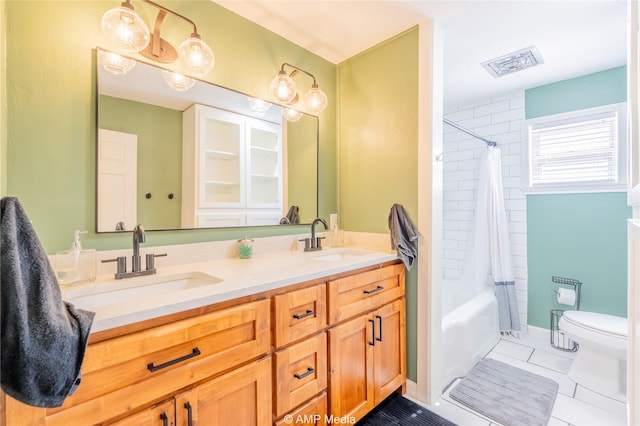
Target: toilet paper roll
(566,296)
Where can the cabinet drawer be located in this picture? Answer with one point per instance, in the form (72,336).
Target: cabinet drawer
(299,313)
(354,294)
(301,372)
(313,413)
(123,373)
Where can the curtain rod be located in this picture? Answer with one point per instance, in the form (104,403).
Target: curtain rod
(469,132)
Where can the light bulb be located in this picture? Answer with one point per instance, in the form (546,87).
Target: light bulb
(126,29)
(282,87)
(291,114)
(115,64)
(177,81)
(196,57)
(315,99)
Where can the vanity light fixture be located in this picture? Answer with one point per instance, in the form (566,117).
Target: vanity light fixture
(283,88)
(130,34)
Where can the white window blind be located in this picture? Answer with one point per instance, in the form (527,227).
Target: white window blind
(582,149)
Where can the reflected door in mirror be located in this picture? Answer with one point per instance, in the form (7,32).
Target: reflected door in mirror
(117,186)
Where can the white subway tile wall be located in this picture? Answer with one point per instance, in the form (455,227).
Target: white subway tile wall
(499,119)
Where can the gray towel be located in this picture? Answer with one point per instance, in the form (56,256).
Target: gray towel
(403,233)
(43,339)
(292,215)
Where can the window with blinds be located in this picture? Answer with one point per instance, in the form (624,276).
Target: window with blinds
(577,152)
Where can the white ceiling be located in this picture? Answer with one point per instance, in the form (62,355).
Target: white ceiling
(574,37)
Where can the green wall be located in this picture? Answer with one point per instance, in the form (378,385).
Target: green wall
(159,157)
(378,147)
(51,115)
(378,133)
(579,236)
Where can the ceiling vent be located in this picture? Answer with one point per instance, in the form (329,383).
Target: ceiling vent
(512,62)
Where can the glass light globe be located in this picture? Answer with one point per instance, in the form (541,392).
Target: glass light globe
(115,64)
(126,29)
(315,99)
(282,87)
(196,57)
(177,81)
(291,114)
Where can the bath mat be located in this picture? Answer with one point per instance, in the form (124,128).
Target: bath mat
(399,411)
(507,394)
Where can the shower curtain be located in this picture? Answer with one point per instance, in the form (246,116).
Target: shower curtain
(491,250)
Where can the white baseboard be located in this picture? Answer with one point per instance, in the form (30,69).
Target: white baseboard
(411,389)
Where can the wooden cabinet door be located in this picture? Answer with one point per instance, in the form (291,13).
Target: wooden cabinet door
(389,357)
(240,397)
(162,414)
(351,368)
(313,413)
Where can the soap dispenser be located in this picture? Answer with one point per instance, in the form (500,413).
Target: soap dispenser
(77,265)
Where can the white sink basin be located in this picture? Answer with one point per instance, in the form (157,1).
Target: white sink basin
(336,255)
(127,290)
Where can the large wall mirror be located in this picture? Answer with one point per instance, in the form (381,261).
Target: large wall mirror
(198,158)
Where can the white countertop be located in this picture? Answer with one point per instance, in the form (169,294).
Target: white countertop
(239,277)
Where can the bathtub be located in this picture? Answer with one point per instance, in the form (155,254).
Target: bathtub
(469,328)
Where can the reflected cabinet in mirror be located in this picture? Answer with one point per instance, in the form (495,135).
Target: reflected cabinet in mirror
(205,157)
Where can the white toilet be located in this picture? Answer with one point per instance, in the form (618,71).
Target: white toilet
(601,361)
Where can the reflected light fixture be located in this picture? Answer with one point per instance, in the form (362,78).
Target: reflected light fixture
(130,34)
(283,88)
(291,114)
(258,106)
(114,63)
(177,81)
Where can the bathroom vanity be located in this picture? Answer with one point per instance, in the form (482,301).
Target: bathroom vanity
(322,339)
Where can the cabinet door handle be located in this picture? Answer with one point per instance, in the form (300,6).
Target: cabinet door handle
(375,290)
(165,419)
(373,333)
(187,405)
(195,352)
(305,374)
(379,318)
(306,314)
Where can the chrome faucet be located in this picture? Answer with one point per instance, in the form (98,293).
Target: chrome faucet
(136,263)
(314,243)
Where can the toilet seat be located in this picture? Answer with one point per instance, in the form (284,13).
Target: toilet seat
(600,323)
(606,329)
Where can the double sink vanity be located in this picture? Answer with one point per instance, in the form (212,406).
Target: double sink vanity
(286,337)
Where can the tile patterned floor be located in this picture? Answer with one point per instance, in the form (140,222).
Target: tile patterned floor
(574,406)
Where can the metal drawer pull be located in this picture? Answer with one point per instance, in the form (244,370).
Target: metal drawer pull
(379,339)
(195,352)
(373,333)
(165,419)
(305,374)
(306,314)
(375,290)
(187,405)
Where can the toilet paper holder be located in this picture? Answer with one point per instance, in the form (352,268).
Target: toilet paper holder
(568,283)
